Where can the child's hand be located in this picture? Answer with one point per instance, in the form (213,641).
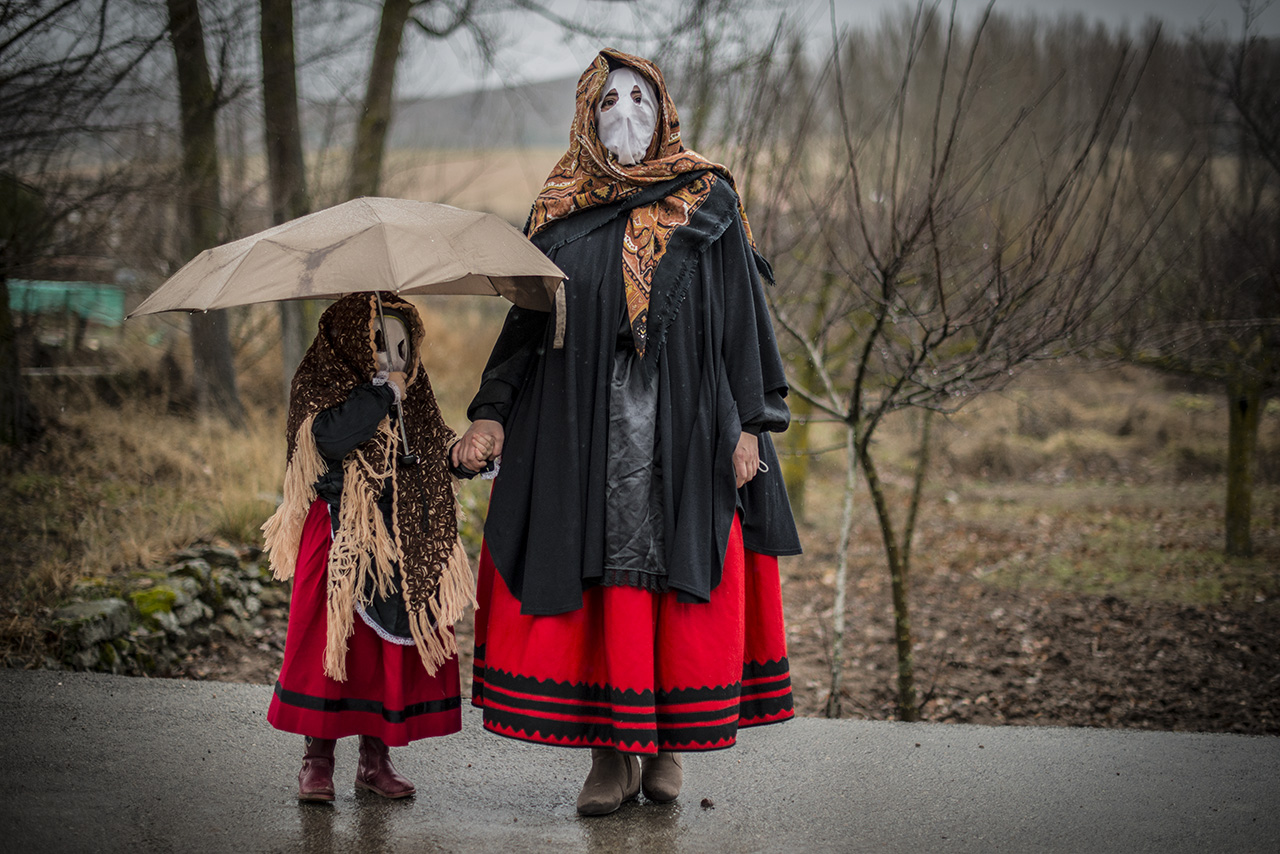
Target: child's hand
(400,380)
(481,443)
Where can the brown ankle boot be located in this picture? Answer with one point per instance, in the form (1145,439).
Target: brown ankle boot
(614,779)
(315,780)
(376,773)
(662,776)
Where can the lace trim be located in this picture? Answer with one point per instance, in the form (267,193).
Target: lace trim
(382,633)
(380,378)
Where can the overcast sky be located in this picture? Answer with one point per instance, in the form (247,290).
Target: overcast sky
(533,49)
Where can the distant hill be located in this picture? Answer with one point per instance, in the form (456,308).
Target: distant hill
(533,115)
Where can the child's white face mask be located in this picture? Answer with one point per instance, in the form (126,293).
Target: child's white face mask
(627,115)
(393,354)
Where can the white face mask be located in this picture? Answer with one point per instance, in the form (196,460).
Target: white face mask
(395,356)
(626,128)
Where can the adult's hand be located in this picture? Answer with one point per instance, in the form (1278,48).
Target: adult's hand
(481,443)
(746,457)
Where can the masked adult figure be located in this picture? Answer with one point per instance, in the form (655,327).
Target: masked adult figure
(629,588)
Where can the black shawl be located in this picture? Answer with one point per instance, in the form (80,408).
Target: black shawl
(714,358)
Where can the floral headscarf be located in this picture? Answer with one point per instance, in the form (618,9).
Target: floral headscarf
(588,176)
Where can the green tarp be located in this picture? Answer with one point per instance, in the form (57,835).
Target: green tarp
(95,303)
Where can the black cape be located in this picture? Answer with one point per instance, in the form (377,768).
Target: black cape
(712,353)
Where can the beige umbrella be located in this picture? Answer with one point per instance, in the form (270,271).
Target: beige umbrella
(368,244)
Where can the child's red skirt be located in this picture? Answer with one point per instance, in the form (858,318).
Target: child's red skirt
(387,694)
(636,670)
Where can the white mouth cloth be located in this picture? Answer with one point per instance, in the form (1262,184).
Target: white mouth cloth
(626,128)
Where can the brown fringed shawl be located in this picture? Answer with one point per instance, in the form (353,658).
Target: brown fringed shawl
(588,176)
(423,543)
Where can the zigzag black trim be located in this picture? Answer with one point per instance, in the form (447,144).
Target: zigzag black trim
(669,719)
(761,669)
(579,692)
(699,695)
(770,687)
(767,707)
(506,722)
(559,707)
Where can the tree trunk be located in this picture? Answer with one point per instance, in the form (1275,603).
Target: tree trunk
(842,573)
(795,466)
(17,421)
(214,366)
(286,168)
(797,461)
(907,709)
(371,130)
(1244,401)
(21,209)
(917,486)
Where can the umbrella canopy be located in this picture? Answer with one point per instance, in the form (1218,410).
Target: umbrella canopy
(368,244)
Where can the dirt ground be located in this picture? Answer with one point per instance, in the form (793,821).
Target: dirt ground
(986,655)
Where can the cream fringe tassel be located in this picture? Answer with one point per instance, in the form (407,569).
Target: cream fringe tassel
(282,533)
(363,547)
(455,593)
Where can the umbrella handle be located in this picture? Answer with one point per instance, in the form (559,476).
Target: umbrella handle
(404,437)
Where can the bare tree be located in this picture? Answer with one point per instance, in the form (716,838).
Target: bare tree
(20,205)
(62,64)
(216,389)
(375,115)
(961,236)
(691,30)
(286,168)
(1212,312)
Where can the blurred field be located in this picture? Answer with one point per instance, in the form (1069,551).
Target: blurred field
(1080,498)
(503,182)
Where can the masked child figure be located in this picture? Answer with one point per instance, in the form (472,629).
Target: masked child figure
(368,533)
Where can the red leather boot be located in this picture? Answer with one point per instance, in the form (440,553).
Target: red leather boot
(376,773)
(315,780)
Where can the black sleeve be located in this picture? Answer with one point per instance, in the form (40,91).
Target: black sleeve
(775,416)
(518,346)
(754,367)
(355,420)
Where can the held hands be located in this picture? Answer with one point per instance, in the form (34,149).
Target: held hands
(481,443)
(746,458)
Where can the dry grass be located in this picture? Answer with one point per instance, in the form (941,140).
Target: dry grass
(115,490)
(119,482)
(1087,481)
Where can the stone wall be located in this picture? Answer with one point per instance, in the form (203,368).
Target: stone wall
(148,624)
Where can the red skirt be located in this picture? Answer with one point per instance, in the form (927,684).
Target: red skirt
(636,670)
(388,693)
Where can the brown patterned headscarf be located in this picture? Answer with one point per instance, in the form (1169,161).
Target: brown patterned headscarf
(588,176)
(422,545)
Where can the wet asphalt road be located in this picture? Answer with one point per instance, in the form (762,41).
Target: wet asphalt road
(98,763)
